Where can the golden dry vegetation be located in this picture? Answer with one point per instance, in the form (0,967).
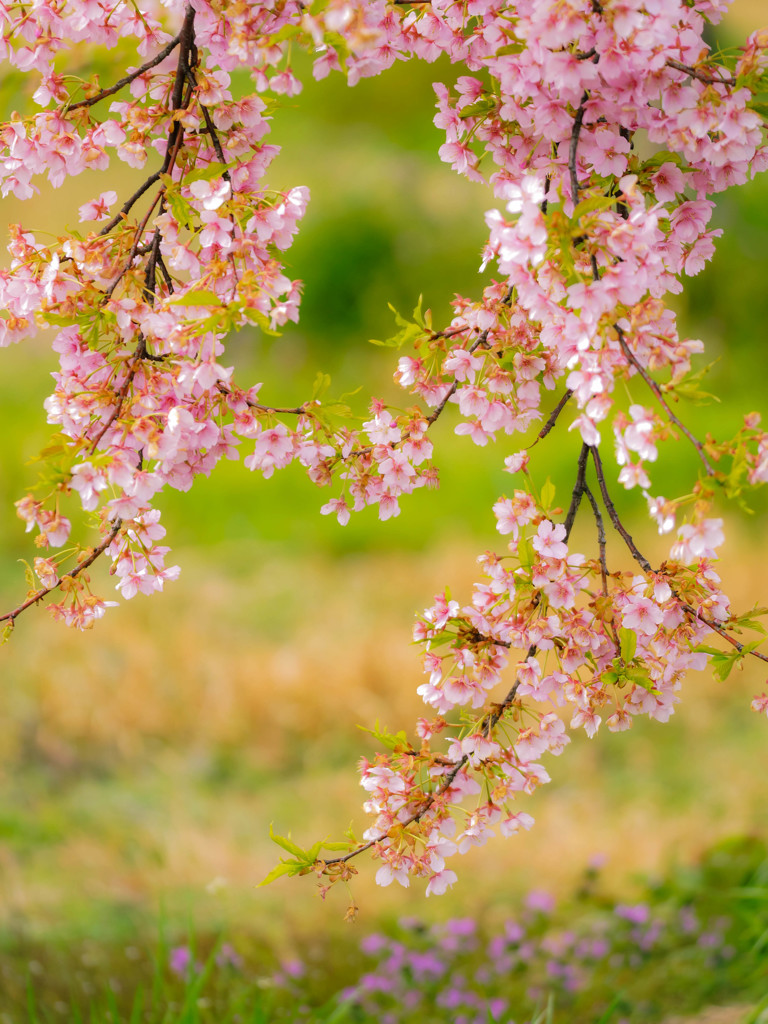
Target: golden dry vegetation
(147,758)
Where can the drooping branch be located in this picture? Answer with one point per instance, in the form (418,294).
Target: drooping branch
(73,573)
(578,490)
(551,419)
(479,342)
(648,568)
(601,540)
(634,361)
(573,149)
(613,515)
(702,76)
(493,717)
(127,79)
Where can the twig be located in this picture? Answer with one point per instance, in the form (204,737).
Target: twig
(121,83)
(134,249)
(45,591)
(600,538)
(138,356)
(476,344)
(574,148)
(633,360)
(720,630)
(700,75)
(299,410)
(493,718)
(176,134)
(578,490)
(552,419)
(613,515)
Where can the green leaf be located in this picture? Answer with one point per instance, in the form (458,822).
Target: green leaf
(591,205)
(703,649)
(285,867)
(29,574)
(526,553)
(628,641)
(388,739)
(203,297)
(484,105)
(547,495)
(180,207)
(321,385)
(287,844)
(663,156)
(211,171)
(640,677)
(408,332)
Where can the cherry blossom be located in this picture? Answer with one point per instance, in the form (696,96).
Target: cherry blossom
(588,233)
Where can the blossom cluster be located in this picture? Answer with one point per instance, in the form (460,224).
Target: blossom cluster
(602,127)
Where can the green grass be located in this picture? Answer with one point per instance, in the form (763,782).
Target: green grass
(689,941)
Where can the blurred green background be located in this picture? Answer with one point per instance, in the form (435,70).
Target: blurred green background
(141,764)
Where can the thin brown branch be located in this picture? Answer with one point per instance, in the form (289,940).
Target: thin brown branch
(164,271)
(600,539)
(613,515)
(178,102)
(552,419)
(299,410)
(721,631)
(134,249)
(578,490)
(130,202)
(634,361)
(215,141)
(41,594)
(492,719)
(122,82)
(702,76)
(476,344)
(646,565)
(573,149)
(448,334)
(138,356)
(545,201)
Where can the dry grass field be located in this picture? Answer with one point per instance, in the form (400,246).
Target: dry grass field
(142,763)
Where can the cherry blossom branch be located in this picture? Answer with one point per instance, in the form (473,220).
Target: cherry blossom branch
(39,595)
(127,79)
(215,141)
(646,565)
(552,419)
(134,249)
(578,490)
(720,630)
(613,515)
(573,149)
(299,410)
(700,75)
(138,355)
(601,542)
(632,358)
(492,719)
(176,134)
(476,344)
